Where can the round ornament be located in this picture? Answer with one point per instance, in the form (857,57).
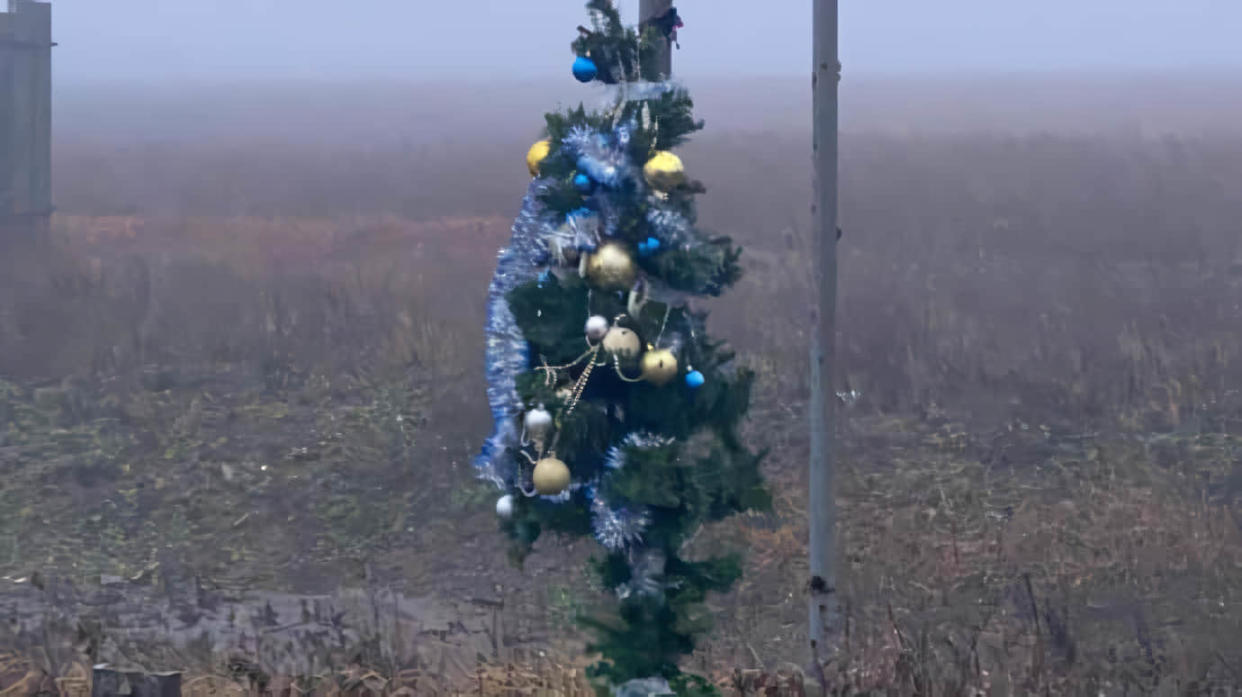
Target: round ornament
(538,423)
(535,156)
(596,327)
(585,69)
(664,171)
(551,476)
(695,379)
(583,183)
(622,342)
(504,507)
(612,267)
(648,247)
(659,366)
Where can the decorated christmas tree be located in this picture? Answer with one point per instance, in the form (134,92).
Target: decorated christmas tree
(616,415)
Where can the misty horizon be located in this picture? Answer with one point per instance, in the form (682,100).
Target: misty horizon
(379,111)
(496,41)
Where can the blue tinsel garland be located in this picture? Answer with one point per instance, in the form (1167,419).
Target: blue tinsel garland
(507,353)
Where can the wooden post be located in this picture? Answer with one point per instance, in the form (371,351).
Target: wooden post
(650,9)
(822,510)
(108,682)
(25,120)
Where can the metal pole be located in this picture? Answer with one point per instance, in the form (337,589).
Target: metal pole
(25,122)
(649,9)
(822,510)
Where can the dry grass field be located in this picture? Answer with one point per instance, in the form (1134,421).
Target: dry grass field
(257,365)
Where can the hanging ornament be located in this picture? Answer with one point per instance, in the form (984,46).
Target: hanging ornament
(695,379)
(622,342)
(637,300)
(551,476)
(612,267)
(585,69)
(538,423)
(504,507)
(536,155)
(659,367)
(596,327)
(583,183)
(664,171)
(648,247)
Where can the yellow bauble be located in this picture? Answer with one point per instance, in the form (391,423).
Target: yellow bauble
(536,154)
(622,342)
(551,476)
(612,268)
(659,366)
(664,171)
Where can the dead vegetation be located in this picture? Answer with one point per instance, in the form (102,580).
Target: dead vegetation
(1040,367)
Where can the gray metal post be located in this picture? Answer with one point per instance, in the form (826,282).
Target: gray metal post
(822,510)
(649,9)
(25,117)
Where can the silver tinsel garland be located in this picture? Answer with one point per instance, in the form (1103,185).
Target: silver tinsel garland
(671,228)
(640,91)
(646,574)
(603,157)
(617,527)
(644,687)
(639,440)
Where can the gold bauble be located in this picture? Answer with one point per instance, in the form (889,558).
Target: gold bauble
(659,366)
(551,476)
(664,171)
(622,342)
(536,155)
(612,268)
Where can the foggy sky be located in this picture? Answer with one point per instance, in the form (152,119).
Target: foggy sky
(498,40)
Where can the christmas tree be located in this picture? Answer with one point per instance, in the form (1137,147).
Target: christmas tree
(616,415)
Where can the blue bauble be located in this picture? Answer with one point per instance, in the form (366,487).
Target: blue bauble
(585,69)
(583,183)
(695,379)
(648,247)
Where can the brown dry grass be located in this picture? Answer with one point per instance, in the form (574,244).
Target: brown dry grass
(1039,482)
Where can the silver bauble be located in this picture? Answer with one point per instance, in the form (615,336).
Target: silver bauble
(504,507)
(596,327)
(538,423)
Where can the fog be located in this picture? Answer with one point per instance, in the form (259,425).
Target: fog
(379,112)
(499,41)
(241,390)
(394,71)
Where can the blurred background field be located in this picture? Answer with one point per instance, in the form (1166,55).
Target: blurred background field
(239,398)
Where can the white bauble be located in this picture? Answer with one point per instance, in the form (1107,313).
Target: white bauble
(538,422)
(504,507)
(596,327)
